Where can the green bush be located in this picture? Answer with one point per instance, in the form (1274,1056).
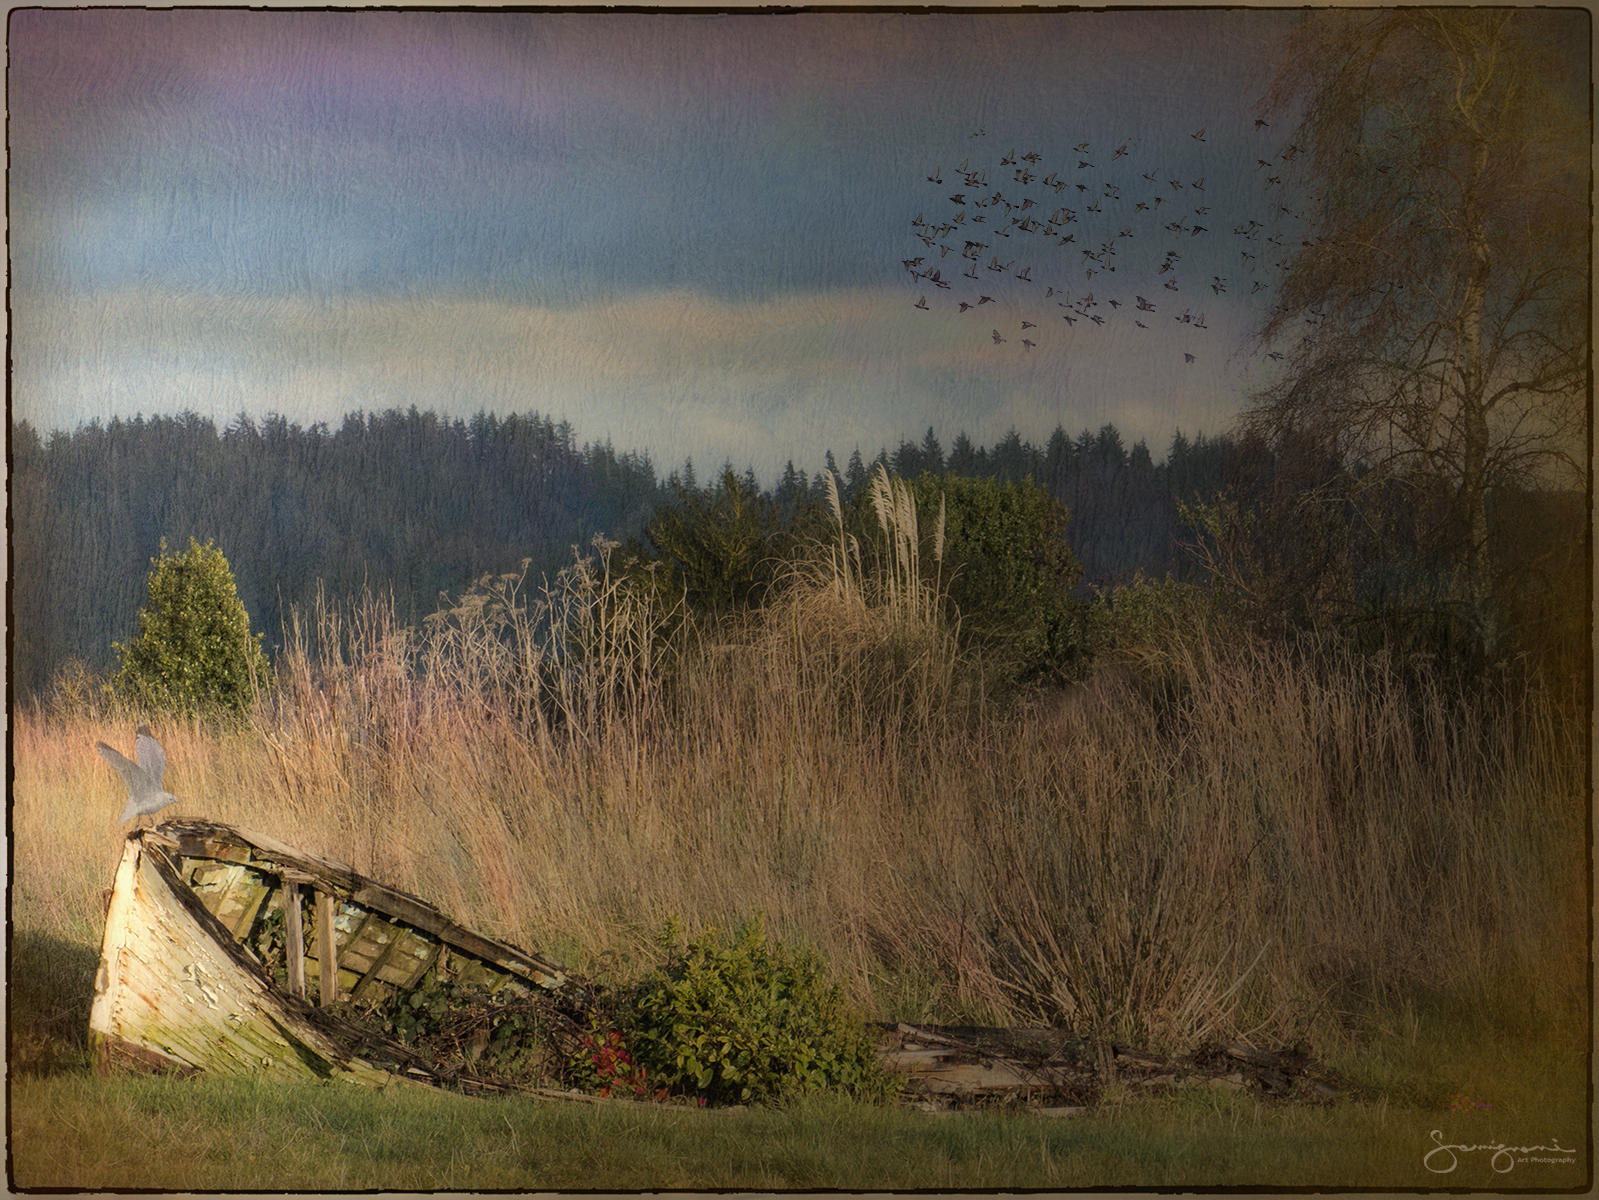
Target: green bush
(1150,622)
(1009,572)
(194,653)
(745,1019)
(717,547)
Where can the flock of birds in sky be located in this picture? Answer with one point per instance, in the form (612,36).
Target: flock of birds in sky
(1092,238)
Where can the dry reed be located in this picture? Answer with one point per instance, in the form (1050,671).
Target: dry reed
(1218,855)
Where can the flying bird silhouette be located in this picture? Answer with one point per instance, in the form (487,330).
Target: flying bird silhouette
(970,196)
(142,777)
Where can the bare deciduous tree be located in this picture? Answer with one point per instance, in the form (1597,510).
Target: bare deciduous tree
(1435,318)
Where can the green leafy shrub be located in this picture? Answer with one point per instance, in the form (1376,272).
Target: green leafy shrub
(1009,572)
(1152,622)
(194,652)
(742,1019)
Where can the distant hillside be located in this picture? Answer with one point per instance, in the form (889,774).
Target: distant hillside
(420,505)
(406,501)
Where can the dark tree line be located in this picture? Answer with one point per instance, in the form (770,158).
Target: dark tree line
(1296,532)
(1123,505)
(407,502)
(418,505)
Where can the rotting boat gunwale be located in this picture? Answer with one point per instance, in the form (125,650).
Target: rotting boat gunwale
(176,988)
(222,843)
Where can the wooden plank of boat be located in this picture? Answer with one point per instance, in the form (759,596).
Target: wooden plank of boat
(975,1064)
(209,840)
(174,989)
(178,988)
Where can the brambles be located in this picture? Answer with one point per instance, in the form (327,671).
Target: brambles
(602,1064)
(471,1034)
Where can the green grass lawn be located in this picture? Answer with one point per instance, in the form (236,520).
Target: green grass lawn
(71,1129)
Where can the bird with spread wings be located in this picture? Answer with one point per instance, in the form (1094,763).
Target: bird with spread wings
(142,774)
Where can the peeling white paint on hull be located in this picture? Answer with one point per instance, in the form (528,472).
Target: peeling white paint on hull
(177,987)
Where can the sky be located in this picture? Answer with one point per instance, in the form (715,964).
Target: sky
(698,235)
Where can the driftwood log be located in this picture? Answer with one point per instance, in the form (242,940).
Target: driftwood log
(963,1066)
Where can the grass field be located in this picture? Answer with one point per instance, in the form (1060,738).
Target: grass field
(71,1129)
(1214,836)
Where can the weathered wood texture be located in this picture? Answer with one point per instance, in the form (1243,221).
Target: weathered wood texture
(944,1066)
(225,844)
(984,1064)
(170,990)
(293,929)
(327,977)
(178,986)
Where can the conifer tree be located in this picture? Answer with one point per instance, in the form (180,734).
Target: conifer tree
(194,652)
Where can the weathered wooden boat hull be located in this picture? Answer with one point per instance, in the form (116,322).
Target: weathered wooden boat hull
(178,986)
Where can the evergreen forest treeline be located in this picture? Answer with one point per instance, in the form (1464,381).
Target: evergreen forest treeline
(402,501)
(418,505)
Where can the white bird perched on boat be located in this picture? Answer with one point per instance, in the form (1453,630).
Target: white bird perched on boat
(145,797)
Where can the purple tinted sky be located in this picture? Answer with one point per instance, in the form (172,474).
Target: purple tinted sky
(685,232)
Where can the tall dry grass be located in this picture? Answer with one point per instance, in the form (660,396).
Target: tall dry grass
(1229,842)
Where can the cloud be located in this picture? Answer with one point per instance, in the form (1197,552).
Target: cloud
(678,374)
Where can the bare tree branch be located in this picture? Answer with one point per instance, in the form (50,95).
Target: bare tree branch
(1445,276)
